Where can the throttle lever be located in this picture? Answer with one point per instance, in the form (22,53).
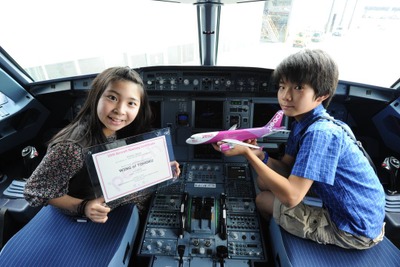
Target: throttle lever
(392,165)
(30,156)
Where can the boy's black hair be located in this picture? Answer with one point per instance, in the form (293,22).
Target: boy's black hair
(312,67)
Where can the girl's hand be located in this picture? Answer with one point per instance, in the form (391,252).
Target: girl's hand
(175,169)
(96,210)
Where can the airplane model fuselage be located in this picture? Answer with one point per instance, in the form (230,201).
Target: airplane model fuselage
(273,126)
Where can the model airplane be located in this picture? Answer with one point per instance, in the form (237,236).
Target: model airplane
(232,136)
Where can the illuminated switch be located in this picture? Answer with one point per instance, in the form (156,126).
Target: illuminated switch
(234,235)
(202,250)
(152,232)
(161,232)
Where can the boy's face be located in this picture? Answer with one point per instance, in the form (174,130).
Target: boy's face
(296,100)
(119,105)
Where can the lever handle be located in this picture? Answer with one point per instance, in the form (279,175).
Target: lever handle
(392,165)
(29,156)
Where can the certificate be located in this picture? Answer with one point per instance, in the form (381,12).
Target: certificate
(121,168)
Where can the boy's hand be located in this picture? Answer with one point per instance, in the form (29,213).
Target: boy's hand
(234,149)
(237,149)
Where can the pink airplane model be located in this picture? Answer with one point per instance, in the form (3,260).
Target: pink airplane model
(233,136)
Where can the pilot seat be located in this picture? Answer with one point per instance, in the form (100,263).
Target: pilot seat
(54,239)
(292,251)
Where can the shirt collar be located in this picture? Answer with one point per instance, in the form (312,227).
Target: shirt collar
(305,121)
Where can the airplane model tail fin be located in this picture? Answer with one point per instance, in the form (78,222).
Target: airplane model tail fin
(275,122)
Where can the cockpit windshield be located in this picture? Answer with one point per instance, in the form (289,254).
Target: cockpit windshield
(56,39)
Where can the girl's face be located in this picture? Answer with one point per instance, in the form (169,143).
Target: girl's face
(119,105)
(296,100)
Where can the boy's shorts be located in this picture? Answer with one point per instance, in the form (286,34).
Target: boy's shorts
(314,223)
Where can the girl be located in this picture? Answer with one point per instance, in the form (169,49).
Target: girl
(117,107)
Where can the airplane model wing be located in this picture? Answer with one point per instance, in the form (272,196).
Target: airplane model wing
(233,127)
(230,143)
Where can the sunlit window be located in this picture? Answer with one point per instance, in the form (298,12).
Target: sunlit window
(85,37)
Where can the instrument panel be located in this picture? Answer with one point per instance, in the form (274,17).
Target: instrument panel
(207,218)
(190,79)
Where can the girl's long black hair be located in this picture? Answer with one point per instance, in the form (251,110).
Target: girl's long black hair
(87,130)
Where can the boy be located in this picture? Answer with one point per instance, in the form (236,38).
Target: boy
(320,156)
